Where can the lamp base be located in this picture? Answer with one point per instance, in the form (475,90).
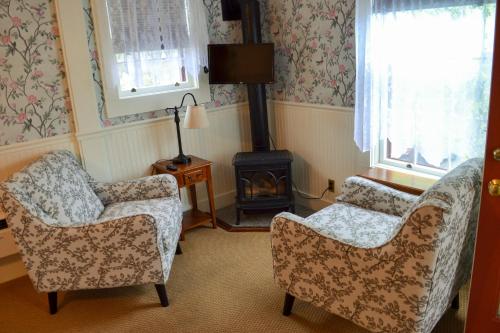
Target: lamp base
(182,159)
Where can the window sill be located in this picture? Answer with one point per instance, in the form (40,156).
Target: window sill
(409,182)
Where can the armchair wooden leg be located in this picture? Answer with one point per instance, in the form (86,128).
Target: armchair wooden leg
(52,302)
(287,308)
(455,304)
(162,294)
(178,250)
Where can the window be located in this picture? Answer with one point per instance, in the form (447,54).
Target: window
(152,52)
(427,81)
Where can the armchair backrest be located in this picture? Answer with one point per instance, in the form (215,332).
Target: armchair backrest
(58,185)
(446,214)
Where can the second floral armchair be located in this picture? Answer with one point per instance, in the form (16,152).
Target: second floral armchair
(386,260)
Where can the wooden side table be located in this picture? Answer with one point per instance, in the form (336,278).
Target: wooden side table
(188,175)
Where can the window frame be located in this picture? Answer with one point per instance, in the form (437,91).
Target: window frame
(423,4)
(379,159)
(117,105)
(379,154)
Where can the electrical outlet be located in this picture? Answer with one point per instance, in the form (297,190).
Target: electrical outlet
(331,185)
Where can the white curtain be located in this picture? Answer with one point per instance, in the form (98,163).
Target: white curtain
(157,42)
(423,78)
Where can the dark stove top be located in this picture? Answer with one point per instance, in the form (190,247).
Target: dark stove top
(263,157)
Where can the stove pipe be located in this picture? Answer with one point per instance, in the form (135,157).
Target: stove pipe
(257,101)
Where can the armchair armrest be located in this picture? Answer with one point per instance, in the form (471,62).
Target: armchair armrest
(374,196)
(145,188)
(288,216)
(107,253)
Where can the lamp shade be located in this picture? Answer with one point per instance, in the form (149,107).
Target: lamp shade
(196,117)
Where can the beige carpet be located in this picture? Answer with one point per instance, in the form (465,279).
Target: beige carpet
(222,283)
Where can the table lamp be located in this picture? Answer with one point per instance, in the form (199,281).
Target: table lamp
(196,117)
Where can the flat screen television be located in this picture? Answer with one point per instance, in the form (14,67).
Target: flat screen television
(241,63)
(231,10)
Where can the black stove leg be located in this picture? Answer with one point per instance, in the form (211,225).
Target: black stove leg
(238,216)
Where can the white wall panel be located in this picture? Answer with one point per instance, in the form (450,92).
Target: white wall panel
(127,151)
(321,140)
(14,157)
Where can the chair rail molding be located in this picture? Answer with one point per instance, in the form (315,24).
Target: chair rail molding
(315,107)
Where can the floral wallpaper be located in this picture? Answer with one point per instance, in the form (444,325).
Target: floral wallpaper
(315,56)
(314,50)
(315,62)
(223,32)
(34,100)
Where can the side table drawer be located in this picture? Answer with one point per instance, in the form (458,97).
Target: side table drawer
(194,177)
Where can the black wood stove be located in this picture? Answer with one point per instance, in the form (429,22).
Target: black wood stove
(263,177)
(263,181)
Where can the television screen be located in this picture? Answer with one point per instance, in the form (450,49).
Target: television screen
(241,63)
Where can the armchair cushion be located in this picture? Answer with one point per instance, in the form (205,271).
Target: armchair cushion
(374,196)
(355,226)
(137,189)
(59,186)
(166,212)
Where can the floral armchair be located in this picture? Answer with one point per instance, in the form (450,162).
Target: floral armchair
(386,260)
(74,233)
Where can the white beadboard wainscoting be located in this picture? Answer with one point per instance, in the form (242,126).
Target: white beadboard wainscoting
(321,140)
(16,156)
(127,151)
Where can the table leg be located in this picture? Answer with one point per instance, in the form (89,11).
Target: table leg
(194,201)
(211,199)
(183,238)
